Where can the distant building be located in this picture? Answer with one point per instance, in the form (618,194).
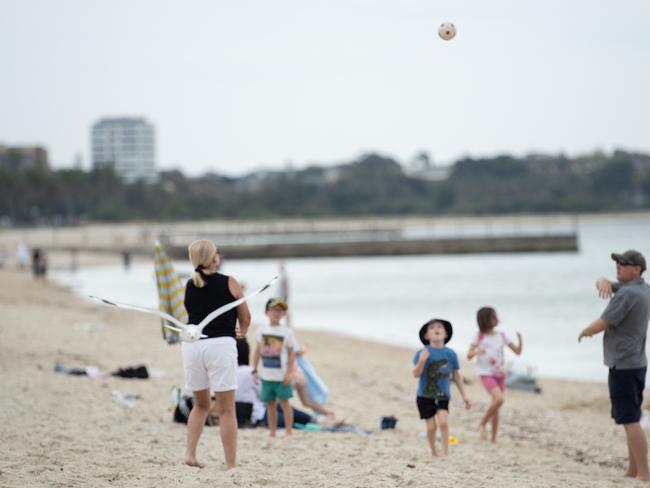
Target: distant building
(21,158)
(423,168)
(127,144)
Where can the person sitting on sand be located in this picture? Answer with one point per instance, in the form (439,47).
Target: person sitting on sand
(625,323)
(488,347)
(275,347)
(434,364)
(212,362)
(251,411)
(299,382)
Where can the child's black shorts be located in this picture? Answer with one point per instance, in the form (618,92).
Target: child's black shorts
(626,394)
(428,406)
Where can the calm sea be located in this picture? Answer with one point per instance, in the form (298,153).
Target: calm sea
(549,298)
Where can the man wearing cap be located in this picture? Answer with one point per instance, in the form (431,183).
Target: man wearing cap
(625,323)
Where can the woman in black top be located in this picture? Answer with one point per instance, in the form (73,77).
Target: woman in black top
(212,361)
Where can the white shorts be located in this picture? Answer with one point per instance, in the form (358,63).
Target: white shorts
(210,363)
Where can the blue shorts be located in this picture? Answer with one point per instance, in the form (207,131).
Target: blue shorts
(626,394)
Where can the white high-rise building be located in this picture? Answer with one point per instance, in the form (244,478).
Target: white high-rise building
(128,144)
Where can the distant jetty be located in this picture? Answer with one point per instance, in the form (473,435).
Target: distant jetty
(403,247)
(305,238)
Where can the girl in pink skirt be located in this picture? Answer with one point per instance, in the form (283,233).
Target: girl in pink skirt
(488,347)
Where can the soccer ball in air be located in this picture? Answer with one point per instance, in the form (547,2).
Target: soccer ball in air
(447,31)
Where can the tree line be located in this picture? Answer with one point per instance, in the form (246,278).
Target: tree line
(371,185)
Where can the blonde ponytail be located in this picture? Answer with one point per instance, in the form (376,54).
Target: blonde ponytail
(201,253)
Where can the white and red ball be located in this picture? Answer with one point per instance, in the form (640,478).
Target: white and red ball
(447,31)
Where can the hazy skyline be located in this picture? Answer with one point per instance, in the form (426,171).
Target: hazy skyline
(235,86)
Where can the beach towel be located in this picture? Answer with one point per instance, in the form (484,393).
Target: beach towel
(171,293)
(316,388)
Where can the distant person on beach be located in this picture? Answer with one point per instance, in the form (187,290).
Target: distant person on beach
(625,323)
(126,260)
(434,364)
(488,348)
(275,347)
(39,264)
(212,362)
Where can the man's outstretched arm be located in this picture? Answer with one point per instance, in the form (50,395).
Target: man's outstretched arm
(596,327)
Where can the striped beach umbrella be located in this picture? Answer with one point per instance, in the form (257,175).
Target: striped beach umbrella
(171,292)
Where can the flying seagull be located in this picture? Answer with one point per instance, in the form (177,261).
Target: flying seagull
(188,332)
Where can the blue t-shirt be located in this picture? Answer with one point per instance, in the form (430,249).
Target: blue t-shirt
(436,374)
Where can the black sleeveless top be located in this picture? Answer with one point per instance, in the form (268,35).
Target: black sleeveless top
(199,302)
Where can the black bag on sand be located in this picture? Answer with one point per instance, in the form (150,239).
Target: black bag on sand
(132,372)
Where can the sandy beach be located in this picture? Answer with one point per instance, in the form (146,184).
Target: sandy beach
(62,430)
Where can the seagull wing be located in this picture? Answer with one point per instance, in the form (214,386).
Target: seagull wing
(151,311)
(229,306)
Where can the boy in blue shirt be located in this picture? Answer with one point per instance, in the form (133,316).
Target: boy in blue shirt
(434,364)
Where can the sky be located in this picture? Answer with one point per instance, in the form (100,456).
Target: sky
(236,86)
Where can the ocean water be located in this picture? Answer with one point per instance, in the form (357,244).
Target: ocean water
(549,298)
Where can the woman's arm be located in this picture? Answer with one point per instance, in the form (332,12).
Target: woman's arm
(256,360)
(243,313)
(473,352)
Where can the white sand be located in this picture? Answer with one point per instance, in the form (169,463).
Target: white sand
(60,430)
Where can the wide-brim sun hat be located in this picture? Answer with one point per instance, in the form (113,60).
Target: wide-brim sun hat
(448,328)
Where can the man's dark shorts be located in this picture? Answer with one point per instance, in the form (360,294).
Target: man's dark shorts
(428,407)
(626,394)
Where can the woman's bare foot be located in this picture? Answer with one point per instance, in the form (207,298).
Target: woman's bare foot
(482,432)
(192,461)
(629,474)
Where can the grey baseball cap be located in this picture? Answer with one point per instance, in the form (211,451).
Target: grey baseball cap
(631,257)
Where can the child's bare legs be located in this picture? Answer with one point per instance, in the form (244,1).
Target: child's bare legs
(495,425)
(431,434)
(637,446)
(441,417)
(495,405)
(272,417)
(288,416)
(225,404)
(195,423)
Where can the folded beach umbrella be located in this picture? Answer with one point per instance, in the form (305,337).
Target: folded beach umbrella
(171,293)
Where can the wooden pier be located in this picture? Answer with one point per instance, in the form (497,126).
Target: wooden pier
(321,238)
